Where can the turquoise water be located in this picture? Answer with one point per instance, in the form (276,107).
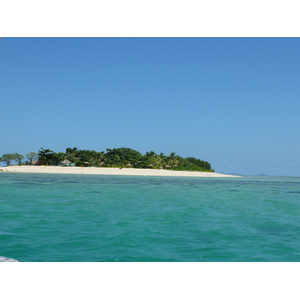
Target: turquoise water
(60,217)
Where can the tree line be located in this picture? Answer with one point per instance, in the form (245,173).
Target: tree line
(116,157)
(8,158)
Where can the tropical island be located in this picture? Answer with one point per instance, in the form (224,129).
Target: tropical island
(116,161)
(113,158)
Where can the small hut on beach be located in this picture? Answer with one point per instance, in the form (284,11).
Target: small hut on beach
(38,162)
(66,162)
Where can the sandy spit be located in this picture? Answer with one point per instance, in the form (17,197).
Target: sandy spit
(108,171)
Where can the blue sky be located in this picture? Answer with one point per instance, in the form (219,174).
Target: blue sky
(233,102)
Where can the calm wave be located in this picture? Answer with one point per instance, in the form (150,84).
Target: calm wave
(53,217)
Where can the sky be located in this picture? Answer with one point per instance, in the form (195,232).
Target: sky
(233,102)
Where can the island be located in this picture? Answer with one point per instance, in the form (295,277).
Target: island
(116,161)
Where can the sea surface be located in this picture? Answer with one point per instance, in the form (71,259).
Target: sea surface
(97,218)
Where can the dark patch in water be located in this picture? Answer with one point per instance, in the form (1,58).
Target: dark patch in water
(272,231)
(95,192)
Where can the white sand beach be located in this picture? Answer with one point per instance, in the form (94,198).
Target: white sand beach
(108,171)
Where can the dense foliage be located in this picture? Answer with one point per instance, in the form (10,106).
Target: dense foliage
(8,158)
(116,157)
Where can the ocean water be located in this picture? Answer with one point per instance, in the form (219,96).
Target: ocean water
(61,217)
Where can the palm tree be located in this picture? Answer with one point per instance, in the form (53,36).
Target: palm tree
(71,151)
(173,159)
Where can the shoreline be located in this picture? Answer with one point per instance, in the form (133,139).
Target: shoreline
(109,171)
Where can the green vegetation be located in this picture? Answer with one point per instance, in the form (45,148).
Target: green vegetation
(18,158)
(116,157)
(32,156)
(8,158)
